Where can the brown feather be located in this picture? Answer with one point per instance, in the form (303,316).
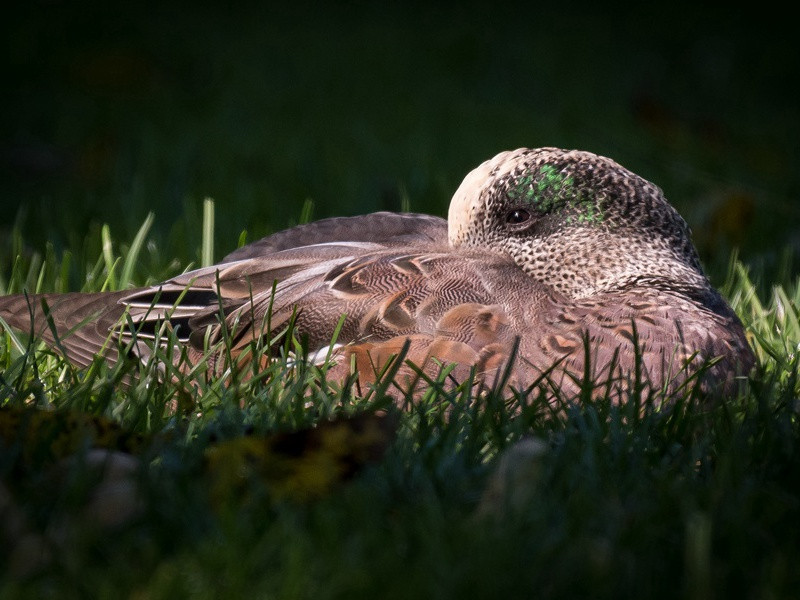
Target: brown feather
(561,278)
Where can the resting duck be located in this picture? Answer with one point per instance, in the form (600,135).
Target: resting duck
(545,253)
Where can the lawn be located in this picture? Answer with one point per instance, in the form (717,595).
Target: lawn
(121,121)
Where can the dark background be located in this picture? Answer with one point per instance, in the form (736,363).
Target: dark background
(112,111)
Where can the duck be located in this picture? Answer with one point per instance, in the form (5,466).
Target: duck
(554,268)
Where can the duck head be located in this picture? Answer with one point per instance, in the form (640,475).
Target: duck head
(580,223)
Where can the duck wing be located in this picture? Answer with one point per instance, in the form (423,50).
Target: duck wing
(409,285)
(385,228)
(444,303)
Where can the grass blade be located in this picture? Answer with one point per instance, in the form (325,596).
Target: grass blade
(207,252)
(133,252)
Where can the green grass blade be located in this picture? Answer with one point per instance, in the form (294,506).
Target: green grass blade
(64,268)
(307,212)
(787,315)
(133,252)
(12,336)
(108,257)
(207,252)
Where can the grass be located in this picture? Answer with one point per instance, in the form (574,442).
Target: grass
(465,499)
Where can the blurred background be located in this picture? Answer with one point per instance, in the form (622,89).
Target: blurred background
(111,111)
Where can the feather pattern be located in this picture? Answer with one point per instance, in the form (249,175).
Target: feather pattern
(549,252)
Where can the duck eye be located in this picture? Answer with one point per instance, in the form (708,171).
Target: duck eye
(517,216)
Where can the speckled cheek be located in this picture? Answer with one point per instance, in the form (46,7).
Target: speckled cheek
(460,215)
(467,220)
(457,226)
(466,208)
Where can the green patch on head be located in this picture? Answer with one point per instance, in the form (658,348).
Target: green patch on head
(548,188)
